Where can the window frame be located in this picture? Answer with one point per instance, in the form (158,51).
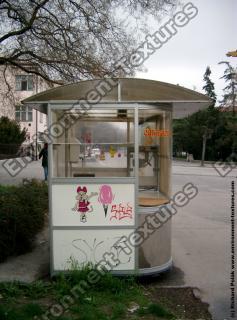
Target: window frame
(20,110)
(22,79)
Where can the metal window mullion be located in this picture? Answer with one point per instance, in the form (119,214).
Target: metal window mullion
(50,166)
(136,158)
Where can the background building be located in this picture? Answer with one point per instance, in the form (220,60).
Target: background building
(16,85)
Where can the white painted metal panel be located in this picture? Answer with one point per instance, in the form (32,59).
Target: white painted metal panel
(86,246)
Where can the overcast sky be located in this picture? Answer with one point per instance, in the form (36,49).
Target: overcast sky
(205,40)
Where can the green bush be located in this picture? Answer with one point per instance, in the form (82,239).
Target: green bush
(22,215)
(10,131)
(11,136)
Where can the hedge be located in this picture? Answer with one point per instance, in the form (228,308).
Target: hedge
(23,209)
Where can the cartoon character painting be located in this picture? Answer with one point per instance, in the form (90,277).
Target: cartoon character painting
(106,197)
(82,204)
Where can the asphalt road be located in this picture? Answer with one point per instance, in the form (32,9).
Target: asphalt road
(201,236)
(201,232)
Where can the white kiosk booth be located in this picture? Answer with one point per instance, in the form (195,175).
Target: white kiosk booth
(110,149)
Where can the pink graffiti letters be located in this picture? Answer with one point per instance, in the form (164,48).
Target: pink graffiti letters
(121,211)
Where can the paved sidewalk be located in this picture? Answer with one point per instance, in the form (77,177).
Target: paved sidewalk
(30,266)
(32,170)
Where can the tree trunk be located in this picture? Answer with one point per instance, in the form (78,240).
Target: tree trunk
(204,141)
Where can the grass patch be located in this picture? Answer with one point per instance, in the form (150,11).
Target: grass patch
(155,310)
(25,312)
(108,299)
(118,311)
(11,290)
(88,312)
(32,309)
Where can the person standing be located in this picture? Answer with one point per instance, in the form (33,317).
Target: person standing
(44,155)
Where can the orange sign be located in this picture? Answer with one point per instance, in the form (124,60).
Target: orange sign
(156,133)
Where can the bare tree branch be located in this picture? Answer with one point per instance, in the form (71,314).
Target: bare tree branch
(28,24)
(71,39)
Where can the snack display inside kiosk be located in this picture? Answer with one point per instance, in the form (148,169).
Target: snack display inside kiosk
(110,170)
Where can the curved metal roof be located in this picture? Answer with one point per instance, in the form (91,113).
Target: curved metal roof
(122,89)
(184,101)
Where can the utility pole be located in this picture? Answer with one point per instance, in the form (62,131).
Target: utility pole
(204,142)
(36,136)
(36,129)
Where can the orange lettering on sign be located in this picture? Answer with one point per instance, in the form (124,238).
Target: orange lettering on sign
(156,133)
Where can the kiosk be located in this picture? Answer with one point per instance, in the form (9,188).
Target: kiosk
(110,150)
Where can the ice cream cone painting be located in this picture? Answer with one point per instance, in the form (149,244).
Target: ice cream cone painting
(105,206)
(105,197)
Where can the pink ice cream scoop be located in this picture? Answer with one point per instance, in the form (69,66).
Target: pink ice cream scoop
(105,197)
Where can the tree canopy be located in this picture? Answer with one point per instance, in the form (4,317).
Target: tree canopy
(209,87)
(220,128)
(230,91)
(72,39)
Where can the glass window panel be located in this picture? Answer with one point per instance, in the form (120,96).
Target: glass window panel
(24,82)
(18,116)
(24,113)
(154,156)
(18,83)
(30,117)
(23,116)
(97,145)
(30,83)
(23,85)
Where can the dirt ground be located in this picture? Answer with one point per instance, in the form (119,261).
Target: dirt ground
(183,302)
